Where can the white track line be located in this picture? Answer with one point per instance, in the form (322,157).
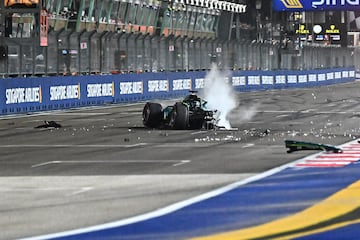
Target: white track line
(73,146)
(66,111)
(175,207)
(175,162)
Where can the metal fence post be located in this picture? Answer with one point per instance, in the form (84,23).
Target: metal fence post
(101,38)
(79,50)
(90,49)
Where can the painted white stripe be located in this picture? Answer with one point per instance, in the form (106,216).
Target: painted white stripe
(282,115)
(181,163)
(304,165)
(82,190)
(81,113)
(91,120)
(335,159)
(340,155)
(350,152)
(176,206)
(130,113)
(44,164)
(72,146)
(310,110)
(249,145)
(325,163)
(199,132)
(187,145)
(330,160)
(176,162)
(352,148)
(200,144)
(71,111)
(40,189)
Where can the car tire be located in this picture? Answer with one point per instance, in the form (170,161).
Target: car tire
(152,115)
(180,117)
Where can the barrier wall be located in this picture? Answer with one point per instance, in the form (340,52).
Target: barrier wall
(23,95)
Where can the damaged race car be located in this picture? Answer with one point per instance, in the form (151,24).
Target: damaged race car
(190,113)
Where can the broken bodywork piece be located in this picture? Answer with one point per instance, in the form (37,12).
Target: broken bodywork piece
(49,124)
(300,145)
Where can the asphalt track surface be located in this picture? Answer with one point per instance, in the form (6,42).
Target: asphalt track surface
(103,165)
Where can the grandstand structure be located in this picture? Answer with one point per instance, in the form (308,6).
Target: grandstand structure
(80,37)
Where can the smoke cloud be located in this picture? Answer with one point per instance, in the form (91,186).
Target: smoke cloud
(220,95)
(243,114)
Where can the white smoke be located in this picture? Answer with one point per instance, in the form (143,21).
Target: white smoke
(243,114)
(219,94)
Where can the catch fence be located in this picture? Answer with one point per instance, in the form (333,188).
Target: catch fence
(88,53)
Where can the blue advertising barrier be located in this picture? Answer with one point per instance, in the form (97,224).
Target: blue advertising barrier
(23,95)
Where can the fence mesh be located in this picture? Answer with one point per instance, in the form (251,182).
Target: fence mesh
(81,53)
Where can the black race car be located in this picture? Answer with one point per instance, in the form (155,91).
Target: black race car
(190,113)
